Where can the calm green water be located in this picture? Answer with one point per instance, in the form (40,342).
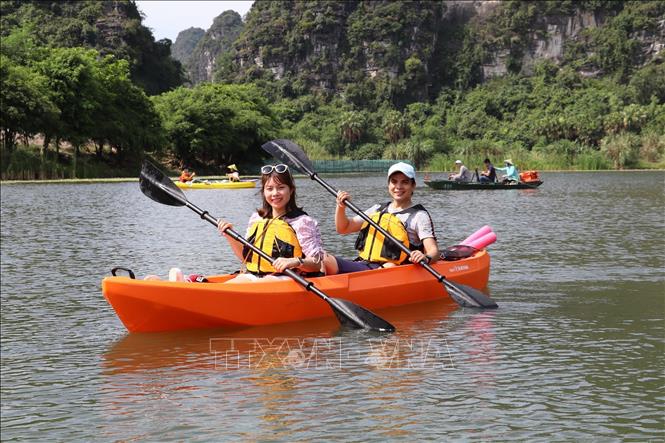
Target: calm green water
(576,350)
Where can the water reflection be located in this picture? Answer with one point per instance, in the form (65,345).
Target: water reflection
(278,373)
(227,349)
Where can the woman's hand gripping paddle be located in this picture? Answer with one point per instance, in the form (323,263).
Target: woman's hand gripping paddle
(161,189)
(291,154)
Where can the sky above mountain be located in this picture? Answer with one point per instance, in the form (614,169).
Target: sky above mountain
(167,18)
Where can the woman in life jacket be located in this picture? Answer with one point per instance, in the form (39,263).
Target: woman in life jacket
(404,220)
(280,228)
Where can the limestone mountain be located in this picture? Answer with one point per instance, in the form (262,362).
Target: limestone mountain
(185,43)
(405,51)
(211,46)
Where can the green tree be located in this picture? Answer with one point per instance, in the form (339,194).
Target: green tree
(74,81)
(128,121)
(395,126)
(215,123)
(26,105)
(352,126)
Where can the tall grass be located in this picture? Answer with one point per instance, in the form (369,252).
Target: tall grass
(26,163)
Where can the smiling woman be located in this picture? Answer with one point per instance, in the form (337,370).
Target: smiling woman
(281,229)
(409,223)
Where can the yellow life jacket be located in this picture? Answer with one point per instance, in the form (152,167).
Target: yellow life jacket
(276,238)
(374,247)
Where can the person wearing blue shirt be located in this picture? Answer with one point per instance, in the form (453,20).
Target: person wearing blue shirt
(511,172)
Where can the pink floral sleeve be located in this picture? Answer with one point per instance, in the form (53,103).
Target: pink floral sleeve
(309,236)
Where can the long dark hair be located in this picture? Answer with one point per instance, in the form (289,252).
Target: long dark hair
(284,178)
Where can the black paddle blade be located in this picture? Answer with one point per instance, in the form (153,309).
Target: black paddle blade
(468,297)
(159,187)
(291,154)
(350,314)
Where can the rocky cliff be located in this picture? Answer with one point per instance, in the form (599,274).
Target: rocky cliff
(201,63)
(185,43)
(409,51)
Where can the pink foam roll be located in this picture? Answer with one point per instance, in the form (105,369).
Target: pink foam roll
(483,241)
(479,233)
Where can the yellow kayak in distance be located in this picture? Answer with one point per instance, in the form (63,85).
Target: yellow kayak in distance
(217,184)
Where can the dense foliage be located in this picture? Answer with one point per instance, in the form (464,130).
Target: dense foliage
(110,27)
(73,95)
(214,123)
(399,98)
(350,80)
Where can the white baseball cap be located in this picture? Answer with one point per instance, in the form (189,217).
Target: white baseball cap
(404,168)
(458,162)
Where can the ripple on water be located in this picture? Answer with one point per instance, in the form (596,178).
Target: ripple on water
(575,352)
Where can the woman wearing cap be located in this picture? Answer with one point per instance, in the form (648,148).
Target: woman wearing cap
(511,172)
(409,223)
(463,174)
(281,229)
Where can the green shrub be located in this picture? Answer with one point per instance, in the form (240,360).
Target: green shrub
(368,151)
(591,160)
(621,149)
(653,147)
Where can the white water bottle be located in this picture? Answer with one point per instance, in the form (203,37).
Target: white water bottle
(175,274)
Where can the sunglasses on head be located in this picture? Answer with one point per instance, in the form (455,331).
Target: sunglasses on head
(280,169)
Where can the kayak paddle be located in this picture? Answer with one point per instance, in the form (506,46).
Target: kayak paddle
(291,154)
(156,185)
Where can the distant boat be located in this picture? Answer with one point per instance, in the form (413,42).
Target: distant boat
(217,184)
(455,186)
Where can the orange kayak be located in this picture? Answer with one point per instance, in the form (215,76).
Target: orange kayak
(151,306)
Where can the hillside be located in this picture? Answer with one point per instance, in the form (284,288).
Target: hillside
(211,48)
(410,51)
(552,84)
(185,43)
(110,27)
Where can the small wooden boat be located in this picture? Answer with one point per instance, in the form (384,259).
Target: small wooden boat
(455,186)
(217,184)
(150,306)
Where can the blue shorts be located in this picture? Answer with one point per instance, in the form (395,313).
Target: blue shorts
(346,266)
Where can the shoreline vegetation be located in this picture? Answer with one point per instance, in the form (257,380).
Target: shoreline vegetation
(32,169)
(92,106)
(28,164)
(660,168)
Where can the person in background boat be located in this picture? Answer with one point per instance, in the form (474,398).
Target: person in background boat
(512,175)
(233,174)
(463,173)
(489,174)
(281,229)
(186,176)
(407,222)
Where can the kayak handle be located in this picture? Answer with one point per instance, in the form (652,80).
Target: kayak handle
(129,271)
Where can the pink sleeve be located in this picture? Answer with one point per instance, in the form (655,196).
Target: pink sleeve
(309,236)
